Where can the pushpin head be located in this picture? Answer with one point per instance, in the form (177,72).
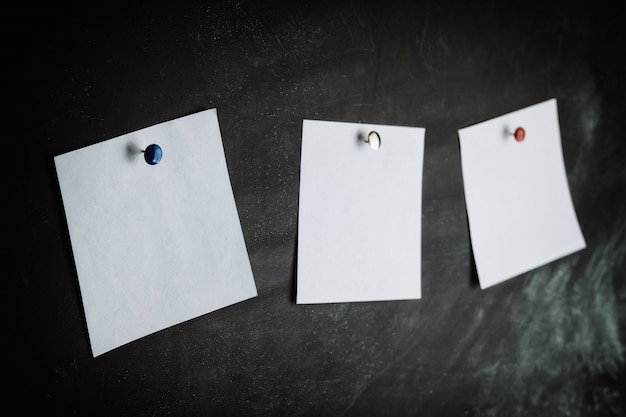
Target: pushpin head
(519,134)
(153,154)
(373,139)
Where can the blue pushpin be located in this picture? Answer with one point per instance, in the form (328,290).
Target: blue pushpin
(153,154)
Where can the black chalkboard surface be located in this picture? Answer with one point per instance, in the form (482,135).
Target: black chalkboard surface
(547,343)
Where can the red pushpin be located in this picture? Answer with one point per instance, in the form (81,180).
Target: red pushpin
(519,134)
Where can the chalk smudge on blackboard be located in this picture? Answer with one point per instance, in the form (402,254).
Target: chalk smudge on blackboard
(566,323)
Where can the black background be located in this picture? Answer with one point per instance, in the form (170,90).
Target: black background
(547,343)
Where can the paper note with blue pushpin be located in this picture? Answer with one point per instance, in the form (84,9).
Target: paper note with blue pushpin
(154,230)
(360,205)
(520,211)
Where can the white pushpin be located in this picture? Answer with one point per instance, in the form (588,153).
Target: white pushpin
(373,140)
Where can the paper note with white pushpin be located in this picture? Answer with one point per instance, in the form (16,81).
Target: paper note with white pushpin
(360,205)
(519,206)
(154,230)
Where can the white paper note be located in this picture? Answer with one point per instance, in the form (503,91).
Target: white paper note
(359,224)
(519,206)
(153,245)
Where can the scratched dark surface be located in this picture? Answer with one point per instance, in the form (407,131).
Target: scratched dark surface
(547,343)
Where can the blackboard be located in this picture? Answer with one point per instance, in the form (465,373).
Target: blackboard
(547,343)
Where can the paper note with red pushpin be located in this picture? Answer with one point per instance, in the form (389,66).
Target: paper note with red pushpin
(520,211)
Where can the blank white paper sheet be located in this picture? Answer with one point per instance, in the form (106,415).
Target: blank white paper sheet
(359,223)
(519,206)
(153,245)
